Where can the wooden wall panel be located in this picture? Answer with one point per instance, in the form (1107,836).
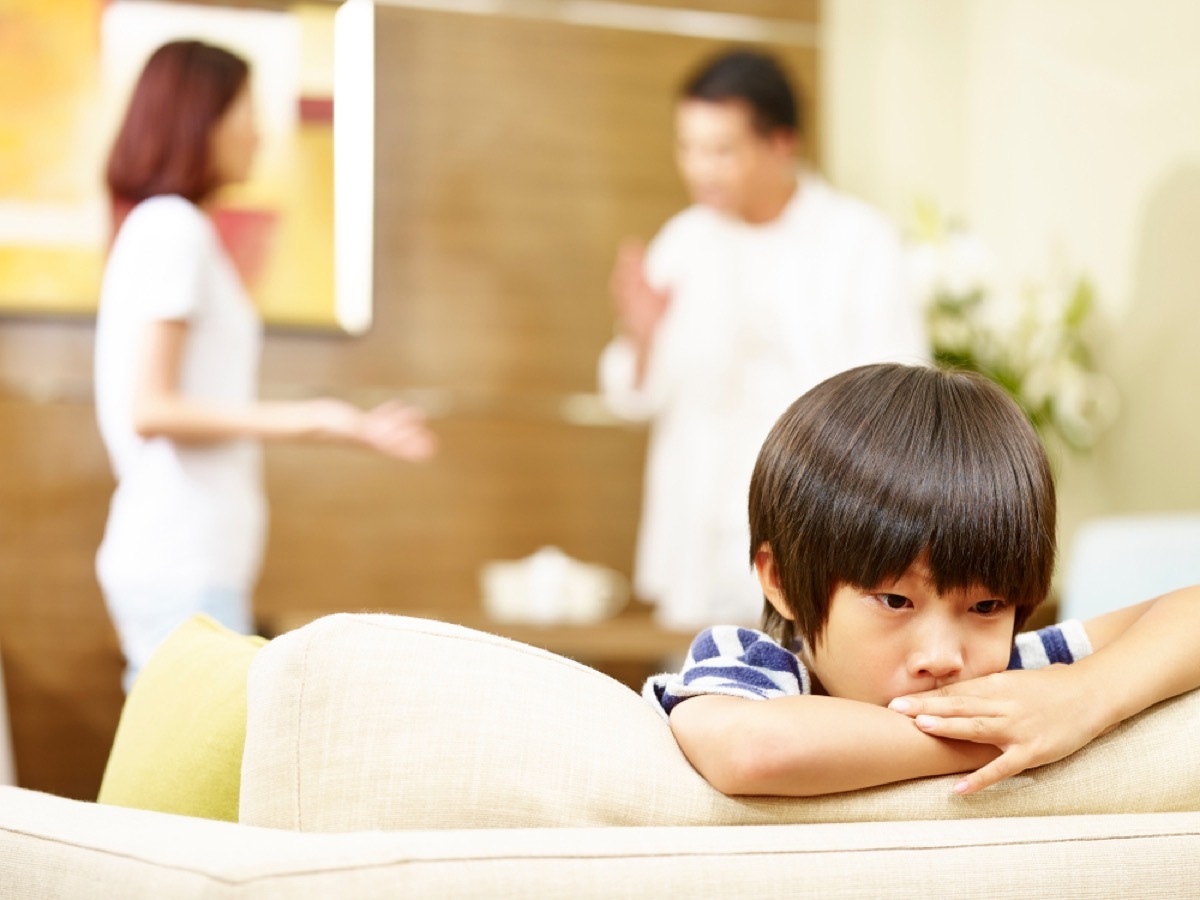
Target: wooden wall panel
(512,155)
(353,531)
(518,153)
(61,663)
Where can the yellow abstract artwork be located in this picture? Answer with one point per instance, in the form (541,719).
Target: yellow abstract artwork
(51,212)
(66,69)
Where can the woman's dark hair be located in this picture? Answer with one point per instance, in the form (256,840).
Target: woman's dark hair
(162,146)
(879,465)
(755,79)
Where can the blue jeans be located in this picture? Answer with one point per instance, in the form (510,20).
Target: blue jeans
(143,617)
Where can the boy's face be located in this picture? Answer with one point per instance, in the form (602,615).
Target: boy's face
(904,637)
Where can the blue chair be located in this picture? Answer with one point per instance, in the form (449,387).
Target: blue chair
(1118,560)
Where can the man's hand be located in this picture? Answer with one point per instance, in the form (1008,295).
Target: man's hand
(1034,717)
(640,307)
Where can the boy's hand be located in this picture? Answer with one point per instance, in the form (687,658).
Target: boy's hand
(1034,717)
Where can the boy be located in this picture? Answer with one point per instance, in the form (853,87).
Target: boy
(902,528)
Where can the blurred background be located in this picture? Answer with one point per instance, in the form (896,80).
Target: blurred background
(516,142)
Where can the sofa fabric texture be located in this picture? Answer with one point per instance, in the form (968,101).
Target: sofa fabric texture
(378,721)
(51,847)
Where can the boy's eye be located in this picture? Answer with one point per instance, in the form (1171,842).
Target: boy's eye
(894,601)
(989,607)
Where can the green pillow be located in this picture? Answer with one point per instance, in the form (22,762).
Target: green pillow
(178,747)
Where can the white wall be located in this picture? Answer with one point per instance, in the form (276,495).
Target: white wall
(1065,129)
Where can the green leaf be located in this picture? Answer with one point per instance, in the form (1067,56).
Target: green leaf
(1080,305)
(927,222)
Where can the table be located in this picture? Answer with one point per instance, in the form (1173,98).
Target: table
(8,770)
(629,646)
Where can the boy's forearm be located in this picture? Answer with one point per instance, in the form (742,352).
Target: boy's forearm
(807,746)
(1156,657)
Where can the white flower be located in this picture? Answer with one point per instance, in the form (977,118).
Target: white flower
(968,266)
(951,333)
(1086,404)
(1002,313)
(1031,339)
(925,271)
(954,270)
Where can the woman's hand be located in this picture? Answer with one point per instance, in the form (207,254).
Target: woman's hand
(396,429)
(393,428)
(1034,717)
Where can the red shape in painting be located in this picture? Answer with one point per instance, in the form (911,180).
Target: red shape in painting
(247,235)
(316,110)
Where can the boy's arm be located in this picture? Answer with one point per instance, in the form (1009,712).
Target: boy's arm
(809,745)
(1142,655)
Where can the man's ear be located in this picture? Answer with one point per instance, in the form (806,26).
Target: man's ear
(768,578)
(786,144)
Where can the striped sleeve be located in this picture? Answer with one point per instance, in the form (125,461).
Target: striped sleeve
(1066,642)
(735,662)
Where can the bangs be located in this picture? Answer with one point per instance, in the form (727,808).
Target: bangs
(884,465)
(977,504)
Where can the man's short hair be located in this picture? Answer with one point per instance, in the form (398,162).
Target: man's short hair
(753,78)
(879,465)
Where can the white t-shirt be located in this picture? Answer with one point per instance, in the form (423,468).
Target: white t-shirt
(758,315)
(185,516)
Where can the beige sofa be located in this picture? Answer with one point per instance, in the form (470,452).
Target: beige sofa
(395,757)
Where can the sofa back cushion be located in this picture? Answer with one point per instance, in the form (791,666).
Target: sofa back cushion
(385,722)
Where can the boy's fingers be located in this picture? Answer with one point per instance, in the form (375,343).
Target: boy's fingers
(1003,766)
(946,705)
(979,729)
(911,703)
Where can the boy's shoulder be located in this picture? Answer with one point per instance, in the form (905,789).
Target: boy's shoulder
(732,661)
(1066,642)
(735,642)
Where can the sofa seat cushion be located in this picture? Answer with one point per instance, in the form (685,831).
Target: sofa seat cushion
(51,847)
(375,721)
(178,746)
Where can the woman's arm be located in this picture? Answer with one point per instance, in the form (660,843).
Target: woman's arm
(160,410)
(1142,655)
(808,745)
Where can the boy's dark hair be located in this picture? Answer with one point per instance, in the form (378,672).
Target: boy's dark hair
(753,78)
(878,465)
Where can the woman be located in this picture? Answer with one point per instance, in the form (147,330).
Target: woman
(176,365)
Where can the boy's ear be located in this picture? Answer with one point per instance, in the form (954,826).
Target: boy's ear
(768,578)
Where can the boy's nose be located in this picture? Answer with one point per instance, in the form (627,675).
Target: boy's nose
(938,656)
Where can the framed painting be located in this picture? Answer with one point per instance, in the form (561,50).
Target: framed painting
(66,70)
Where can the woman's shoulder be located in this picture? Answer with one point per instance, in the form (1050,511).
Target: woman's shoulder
(168,215)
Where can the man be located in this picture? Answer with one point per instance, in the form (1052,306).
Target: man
(766,285)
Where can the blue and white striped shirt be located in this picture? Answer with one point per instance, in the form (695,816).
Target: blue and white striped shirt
(742,662)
